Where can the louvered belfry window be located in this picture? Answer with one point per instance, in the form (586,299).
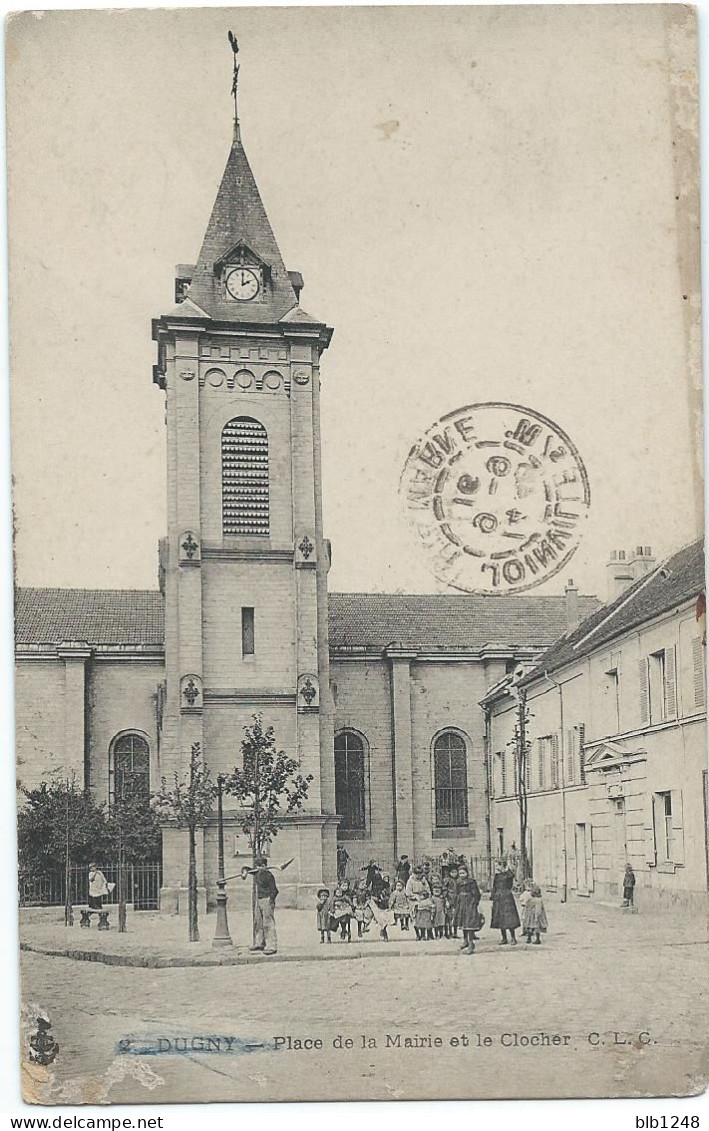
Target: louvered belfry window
(244,478)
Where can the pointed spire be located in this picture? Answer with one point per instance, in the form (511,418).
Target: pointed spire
(239,228)
(239,234)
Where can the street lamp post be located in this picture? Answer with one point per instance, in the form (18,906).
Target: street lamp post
(221,935)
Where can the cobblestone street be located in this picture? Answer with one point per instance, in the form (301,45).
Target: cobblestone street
(622,1000)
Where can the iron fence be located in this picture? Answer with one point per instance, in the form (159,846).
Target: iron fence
(142,885)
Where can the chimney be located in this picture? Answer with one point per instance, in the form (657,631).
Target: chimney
(573,616)
(642,561)
(625,568)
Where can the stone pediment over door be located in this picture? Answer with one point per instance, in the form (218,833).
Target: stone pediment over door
(612,756)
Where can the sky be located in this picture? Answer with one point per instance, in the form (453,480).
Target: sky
(486,204)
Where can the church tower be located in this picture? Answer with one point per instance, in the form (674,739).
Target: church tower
(244,561)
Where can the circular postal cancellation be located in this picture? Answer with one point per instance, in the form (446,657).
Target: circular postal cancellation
(498,495)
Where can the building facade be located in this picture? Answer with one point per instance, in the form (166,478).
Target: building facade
(615,769)
(377,696)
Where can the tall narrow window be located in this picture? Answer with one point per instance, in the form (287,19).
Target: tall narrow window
(349,780)
(662,803)
(129,768)
(613,692)
(450,773)
(661,683)
(245,507)
(248,632)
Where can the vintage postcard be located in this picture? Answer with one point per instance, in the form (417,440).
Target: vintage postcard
(360,603)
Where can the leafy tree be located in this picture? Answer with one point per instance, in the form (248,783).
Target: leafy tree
(42,823)
(189,803)
(268,785)
(134,831)
(133,819)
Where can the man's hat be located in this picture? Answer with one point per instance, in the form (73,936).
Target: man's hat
(323,891)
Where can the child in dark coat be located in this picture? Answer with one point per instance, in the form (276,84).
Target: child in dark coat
(361,899)
(468,917)
(450,884)
(628,886)
(323,906)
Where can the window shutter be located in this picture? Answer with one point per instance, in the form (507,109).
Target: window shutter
(570,756)
(670,684)
(677,828)
(649,820)
(582,757)
(555,761)
(589,857)
(699,674)
(644,692)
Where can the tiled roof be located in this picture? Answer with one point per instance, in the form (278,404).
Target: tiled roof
(360,620)
(447,622)
(677,580)
(99,616)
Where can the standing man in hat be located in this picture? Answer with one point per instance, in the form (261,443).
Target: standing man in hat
(265,937)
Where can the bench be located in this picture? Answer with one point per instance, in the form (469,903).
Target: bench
(87,912)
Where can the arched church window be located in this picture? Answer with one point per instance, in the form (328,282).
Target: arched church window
(245,508)
(450,772)
(130,768)
(349,780)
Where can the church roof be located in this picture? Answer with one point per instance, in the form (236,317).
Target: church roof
(98,616)
(680,578)
(357,620)
(239,218)
(447,622)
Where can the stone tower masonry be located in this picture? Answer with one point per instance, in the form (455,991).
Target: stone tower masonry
(245,563)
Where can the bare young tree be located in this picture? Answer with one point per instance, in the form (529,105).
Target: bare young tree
(522,746)
(188,803)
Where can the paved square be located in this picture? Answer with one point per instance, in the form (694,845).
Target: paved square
(625,996)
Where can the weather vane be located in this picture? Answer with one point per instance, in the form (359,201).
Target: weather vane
(235,83)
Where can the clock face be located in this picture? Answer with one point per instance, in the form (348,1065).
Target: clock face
(242,284)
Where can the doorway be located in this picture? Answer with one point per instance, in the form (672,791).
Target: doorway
(584,862)
(618,845)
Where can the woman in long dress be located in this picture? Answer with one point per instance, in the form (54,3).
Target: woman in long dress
(505,916)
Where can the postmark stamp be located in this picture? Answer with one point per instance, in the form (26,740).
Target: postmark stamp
(498,496)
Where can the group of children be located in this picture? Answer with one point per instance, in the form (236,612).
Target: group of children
(439,905)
